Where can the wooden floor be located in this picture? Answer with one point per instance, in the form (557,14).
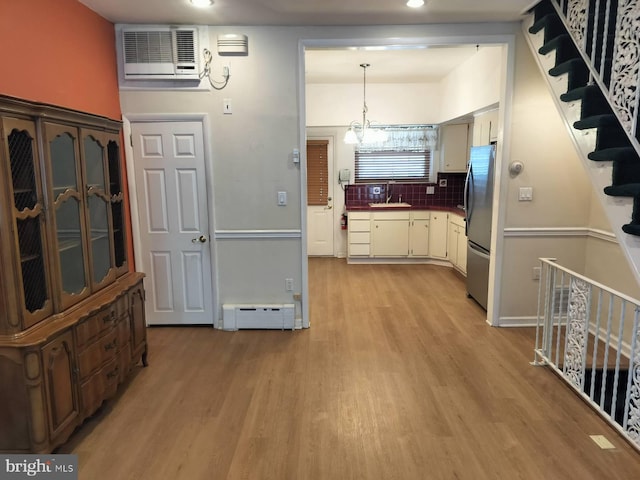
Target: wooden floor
(399,377)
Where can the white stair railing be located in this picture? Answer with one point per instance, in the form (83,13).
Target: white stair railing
(589,335)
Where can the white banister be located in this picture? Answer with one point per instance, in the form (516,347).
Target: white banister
(589,335)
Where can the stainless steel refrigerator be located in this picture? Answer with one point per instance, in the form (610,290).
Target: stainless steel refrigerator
(478,199)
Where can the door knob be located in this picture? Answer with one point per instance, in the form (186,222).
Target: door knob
(201,239)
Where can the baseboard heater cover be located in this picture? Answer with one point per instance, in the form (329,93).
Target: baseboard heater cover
(274,316)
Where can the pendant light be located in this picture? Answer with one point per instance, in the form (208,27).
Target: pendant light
(362,132)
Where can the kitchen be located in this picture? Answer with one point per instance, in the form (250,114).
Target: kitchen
(431,229)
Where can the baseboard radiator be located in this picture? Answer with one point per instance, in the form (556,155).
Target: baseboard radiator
(274,316)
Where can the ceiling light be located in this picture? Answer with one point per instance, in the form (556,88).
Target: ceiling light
(415,3)
(362,132)
(202,3)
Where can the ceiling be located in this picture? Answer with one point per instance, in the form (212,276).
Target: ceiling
(308,12)
(391,65)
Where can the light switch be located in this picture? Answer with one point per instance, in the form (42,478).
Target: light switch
(282,198)
(226,106)
(525,194)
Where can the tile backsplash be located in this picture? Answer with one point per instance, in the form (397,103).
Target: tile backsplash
(451,195)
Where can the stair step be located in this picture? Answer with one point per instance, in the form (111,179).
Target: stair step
(577,71)
(631,229)
(564,47)
(551,24)
(615,154)
(626,190)
(593,101)
(597,121)
(542,9)
(625,173)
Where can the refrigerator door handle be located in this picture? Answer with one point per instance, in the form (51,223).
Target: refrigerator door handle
(468,208)
(478,252)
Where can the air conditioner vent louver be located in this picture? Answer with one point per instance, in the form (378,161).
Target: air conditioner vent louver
(148,47)
(185,51)
(160,52)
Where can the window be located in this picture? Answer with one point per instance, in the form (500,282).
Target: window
(317,172)
(405,155)
(384,165)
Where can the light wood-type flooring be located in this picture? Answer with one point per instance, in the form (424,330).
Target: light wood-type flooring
(399,377)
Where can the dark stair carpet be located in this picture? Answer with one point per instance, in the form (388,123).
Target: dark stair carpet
(618,411)
(612,143)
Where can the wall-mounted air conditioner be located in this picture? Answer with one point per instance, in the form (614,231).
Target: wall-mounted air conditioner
(160,52)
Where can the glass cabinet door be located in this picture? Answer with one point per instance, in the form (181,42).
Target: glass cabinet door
(68,205)
(116,195)
(33,290)
(94,153)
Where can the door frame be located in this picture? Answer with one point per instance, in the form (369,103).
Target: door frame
(203,119)
(508,41)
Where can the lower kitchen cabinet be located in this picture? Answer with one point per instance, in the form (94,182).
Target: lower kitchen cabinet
(359,234)
(419,234)
(457,243)
(390,234)
(438,226)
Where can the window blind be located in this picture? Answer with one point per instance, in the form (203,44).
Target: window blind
(391,165)
(317,172)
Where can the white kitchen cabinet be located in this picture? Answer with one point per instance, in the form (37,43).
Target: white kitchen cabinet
(390,234)
(457,243)
(359,234)
(454,147)
(485,128)
(419,234)
(438,226)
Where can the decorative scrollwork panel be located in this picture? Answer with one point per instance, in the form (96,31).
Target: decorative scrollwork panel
(577,331)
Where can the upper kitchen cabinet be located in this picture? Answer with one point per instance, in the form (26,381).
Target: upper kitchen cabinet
(485,128)
(454,147)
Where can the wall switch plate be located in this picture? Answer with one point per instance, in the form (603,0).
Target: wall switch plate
(288,284)
(282,198)
(226,106)
(536,273)
(431,190)
(525,194)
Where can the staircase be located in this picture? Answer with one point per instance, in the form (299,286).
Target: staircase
(589,51)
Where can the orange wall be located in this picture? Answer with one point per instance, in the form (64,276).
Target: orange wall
(58,52)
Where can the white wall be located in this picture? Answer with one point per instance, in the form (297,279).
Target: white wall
(474,85)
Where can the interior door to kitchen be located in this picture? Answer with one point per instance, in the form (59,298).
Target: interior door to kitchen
(171,192)
(320,220)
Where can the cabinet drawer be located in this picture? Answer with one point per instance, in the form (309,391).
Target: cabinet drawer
(124,331)
(420,215)
(94,355)
(359,216)
(93,326)
(359,249)
(360,225)
(98,387)
(391,215)
(360,237)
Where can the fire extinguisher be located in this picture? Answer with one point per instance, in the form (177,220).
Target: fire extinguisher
(343,221)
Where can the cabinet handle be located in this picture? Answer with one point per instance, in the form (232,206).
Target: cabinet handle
(106,319)
(110,345)
(112,373)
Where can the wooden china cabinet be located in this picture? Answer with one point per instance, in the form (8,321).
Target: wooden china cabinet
(72,322)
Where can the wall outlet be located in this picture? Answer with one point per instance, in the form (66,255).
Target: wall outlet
(525,194)
(288,284)
(442,182)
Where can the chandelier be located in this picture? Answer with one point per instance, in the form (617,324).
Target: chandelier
(363,132)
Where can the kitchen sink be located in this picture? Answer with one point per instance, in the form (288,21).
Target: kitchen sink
(390,205)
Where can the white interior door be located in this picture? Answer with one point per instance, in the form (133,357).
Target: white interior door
(171,193)
(320,218)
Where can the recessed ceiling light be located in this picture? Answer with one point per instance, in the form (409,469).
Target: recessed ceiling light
(415,3)
(202,3)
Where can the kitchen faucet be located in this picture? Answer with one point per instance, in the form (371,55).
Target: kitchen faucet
(388,192)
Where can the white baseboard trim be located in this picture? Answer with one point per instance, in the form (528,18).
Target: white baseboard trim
(517,322)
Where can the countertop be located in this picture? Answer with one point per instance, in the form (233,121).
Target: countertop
(367,208)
